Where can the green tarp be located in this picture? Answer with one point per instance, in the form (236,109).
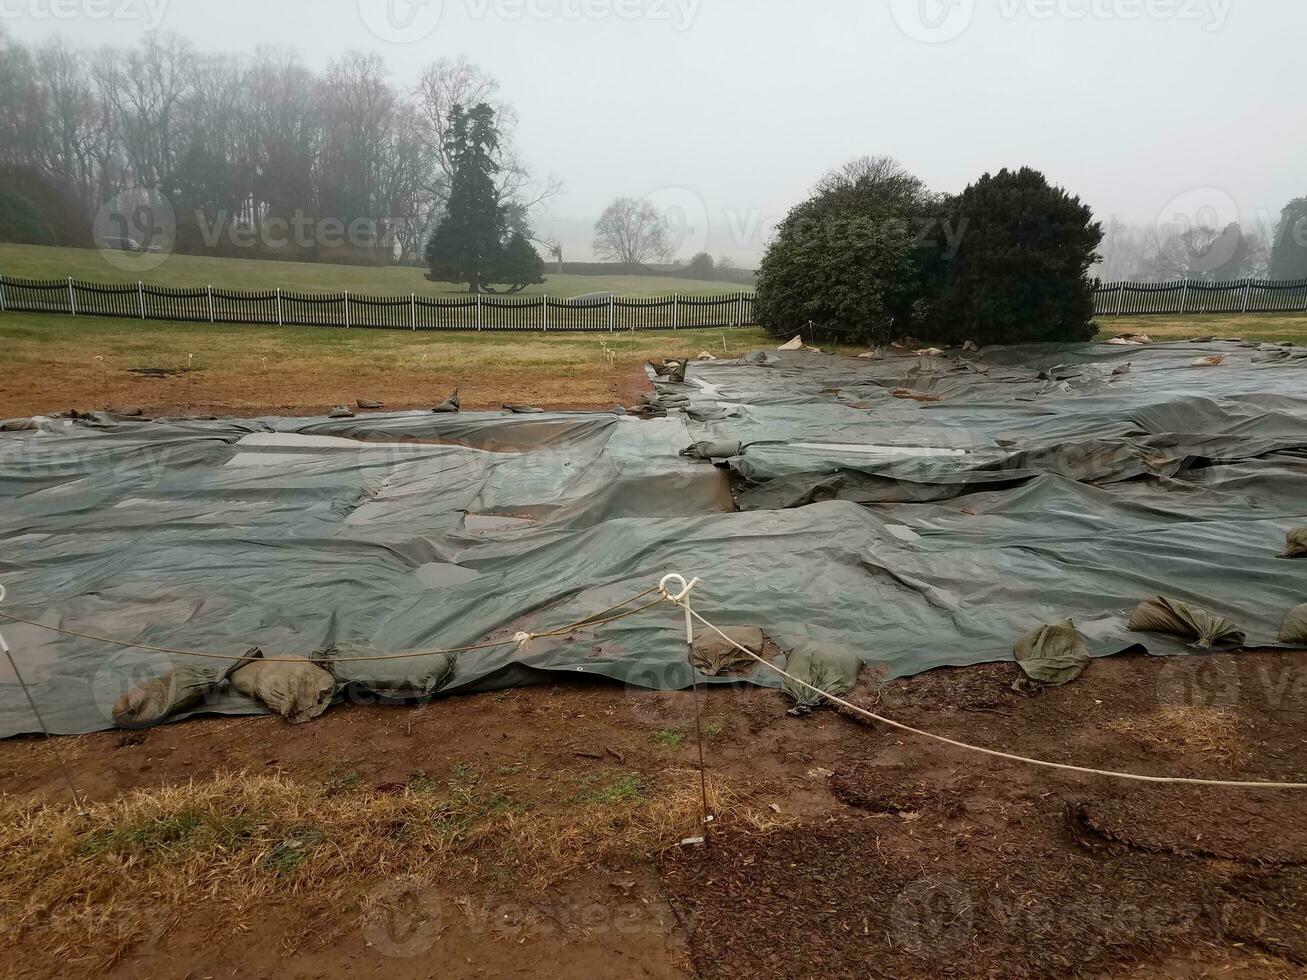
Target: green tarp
(1043,487)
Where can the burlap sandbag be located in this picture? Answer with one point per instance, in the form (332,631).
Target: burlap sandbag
(1294,628)
(450,405)
(714,656)
(713,450)
(1296,544)
(413,678)
(178,689)
(1050,656)
(1206,629)
(829,669)
(294,687)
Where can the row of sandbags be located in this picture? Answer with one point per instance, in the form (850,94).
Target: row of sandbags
(297,688)
(1054,654)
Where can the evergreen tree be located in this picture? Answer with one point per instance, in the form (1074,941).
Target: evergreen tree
(1289,260)
(520,264)
(849,259)
(1021,271)
(468,244)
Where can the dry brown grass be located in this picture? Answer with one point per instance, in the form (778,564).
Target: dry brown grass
(92,884)
(1209,731)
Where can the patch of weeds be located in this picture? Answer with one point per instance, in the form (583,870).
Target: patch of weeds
(629,788)
(422,784)
(340,779)
(714,728)
(669,738)
(294,849)
(161,835)
(510,770)
(463,778)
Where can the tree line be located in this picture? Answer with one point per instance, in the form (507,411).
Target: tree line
(241,147)
(1204,248)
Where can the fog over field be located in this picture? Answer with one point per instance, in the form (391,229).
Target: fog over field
(728,110)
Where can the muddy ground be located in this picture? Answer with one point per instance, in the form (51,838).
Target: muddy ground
(893,856)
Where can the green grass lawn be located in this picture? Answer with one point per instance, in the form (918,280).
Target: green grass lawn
(1266,327)
(39,262)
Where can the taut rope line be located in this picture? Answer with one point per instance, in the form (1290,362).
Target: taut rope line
(1064,767)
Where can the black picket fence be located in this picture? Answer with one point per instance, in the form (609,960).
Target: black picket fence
(278,307)
(348,310)
(1194,296)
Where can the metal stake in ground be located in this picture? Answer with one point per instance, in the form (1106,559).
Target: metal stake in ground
(684,597)
(58,757)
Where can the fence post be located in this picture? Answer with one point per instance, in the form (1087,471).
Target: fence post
(211,320)
(413,310)
(544,307)
(676,311)
(279,321)
(478,312)
(72,299)
(140,296)
(1120,298)
(347,309)
(2,294)
(1184,298)
(612,312)
(1247,292)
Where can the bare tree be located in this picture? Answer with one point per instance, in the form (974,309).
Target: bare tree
(446,84)
(632,232)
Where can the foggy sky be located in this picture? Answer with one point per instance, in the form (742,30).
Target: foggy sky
(1153,110)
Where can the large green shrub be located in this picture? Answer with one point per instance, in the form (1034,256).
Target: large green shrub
(21,221)
(850,259)
(1021,269)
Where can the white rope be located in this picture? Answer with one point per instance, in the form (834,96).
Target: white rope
(680,600)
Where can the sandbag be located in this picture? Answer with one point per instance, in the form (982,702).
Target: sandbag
(450,405)
(410,679)
(1206,629)
(671,369)
(1296,544)
(714,656)
(1294,628)
(294,687)
(713,450)
(1050,656)
(829,669)
(177,690)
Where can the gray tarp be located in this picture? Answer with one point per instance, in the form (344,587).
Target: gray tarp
(1072,495)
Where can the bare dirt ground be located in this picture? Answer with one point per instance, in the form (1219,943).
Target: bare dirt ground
(885,855)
